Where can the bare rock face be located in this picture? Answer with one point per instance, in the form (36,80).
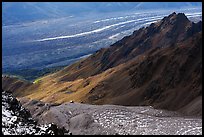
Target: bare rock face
(81,121)
(16,120)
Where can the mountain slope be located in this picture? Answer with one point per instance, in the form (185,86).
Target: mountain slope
(172,29)
(159,65)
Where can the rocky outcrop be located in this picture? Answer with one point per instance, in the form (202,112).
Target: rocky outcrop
(16,120)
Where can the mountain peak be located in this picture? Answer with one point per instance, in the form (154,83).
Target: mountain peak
(172,14)
(181,17)
(174,19)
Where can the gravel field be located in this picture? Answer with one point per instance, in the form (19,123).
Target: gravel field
(113,119)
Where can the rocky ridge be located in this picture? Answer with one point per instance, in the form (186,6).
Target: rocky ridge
(16,120)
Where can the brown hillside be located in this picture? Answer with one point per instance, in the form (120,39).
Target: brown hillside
(160,65)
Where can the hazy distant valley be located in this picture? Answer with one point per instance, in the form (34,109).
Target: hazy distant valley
(41,45)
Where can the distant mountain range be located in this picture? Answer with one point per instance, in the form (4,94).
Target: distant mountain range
(18,12)
(159,65)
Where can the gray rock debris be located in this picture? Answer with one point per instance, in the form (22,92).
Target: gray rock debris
(112,119)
